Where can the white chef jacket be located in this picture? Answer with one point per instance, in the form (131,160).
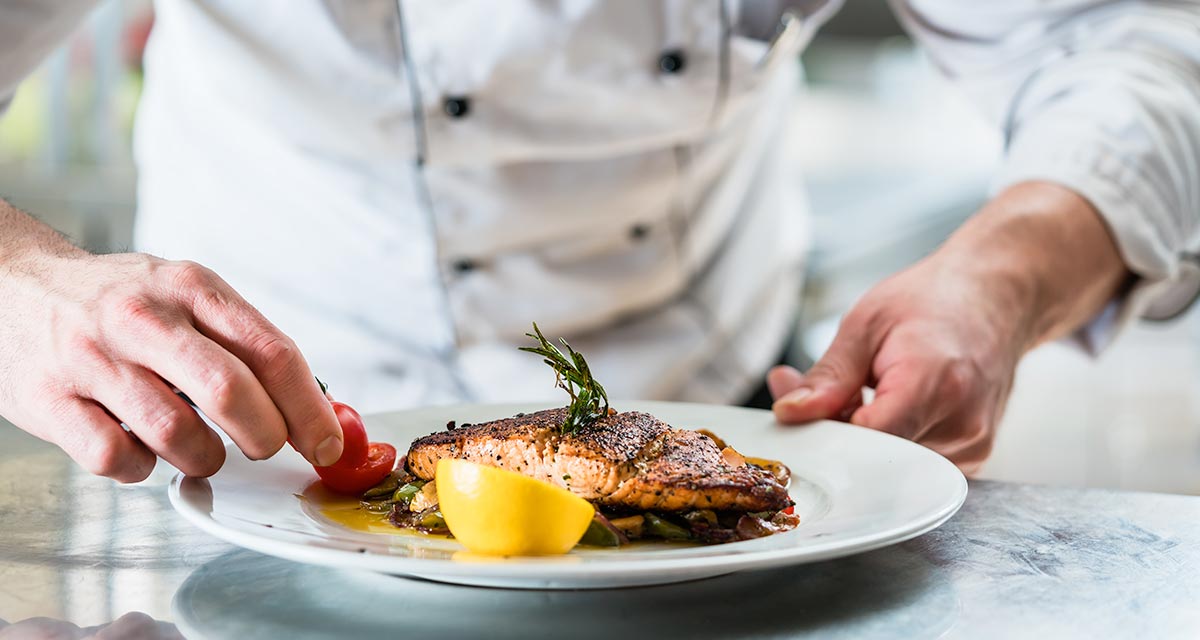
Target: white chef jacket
(404,187)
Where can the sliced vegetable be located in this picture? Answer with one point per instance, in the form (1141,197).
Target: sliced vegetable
(354,480)
(427,521)
(405,494)
(705,517)
(601,533)
(658,527)
(631,526)
(363,464)
(385,488)
(427,497)
(776,468)
(785,521)
(751,526)
(376,506)
(732,457)
(754,525)
(431,519)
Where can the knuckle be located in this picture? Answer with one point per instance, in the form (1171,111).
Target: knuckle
(221,390)
(136,311)
(207,298)
(134,306)
(197,284)
(277,354)
(84,347)
(958,379)
(224,390)
(186,274)
(170,427)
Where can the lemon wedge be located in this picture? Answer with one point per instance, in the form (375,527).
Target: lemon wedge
(499,512)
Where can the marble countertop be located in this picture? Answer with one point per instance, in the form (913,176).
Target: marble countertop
(1017,561)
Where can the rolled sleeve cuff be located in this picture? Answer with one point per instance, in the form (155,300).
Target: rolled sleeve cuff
(1167,283)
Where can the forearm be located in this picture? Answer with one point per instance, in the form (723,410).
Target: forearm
(1102,97)
(1045,254)
(22,238)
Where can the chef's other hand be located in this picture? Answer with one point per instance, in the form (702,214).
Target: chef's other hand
(939,342)
(93,341)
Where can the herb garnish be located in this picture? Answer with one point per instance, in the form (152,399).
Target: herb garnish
(589,401)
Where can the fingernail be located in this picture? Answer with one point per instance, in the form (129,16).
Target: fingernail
(797,396)
(329,451)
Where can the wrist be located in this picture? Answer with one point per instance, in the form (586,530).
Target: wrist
(29,248)
(1000,290)
(1045,256)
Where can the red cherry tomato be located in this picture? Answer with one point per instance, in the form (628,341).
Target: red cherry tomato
(354,479)
(354,435)
(790,510)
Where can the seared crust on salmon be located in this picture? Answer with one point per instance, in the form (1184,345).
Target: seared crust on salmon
(625,461)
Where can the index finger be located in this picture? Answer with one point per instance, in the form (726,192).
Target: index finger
(835,381)
(227,319)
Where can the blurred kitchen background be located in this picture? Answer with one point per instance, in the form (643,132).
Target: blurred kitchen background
(894,160)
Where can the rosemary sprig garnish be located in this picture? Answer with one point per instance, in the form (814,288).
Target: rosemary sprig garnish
(589,401)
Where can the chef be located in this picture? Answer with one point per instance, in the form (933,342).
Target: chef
(388,193)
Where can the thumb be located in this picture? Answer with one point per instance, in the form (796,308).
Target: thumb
(833,383)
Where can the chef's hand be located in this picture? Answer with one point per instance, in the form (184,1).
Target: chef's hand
(90,342)
(939,342)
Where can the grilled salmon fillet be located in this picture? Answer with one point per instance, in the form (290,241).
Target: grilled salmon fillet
(625,461)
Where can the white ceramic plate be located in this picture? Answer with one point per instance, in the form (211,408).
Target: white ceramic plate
(855,490)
